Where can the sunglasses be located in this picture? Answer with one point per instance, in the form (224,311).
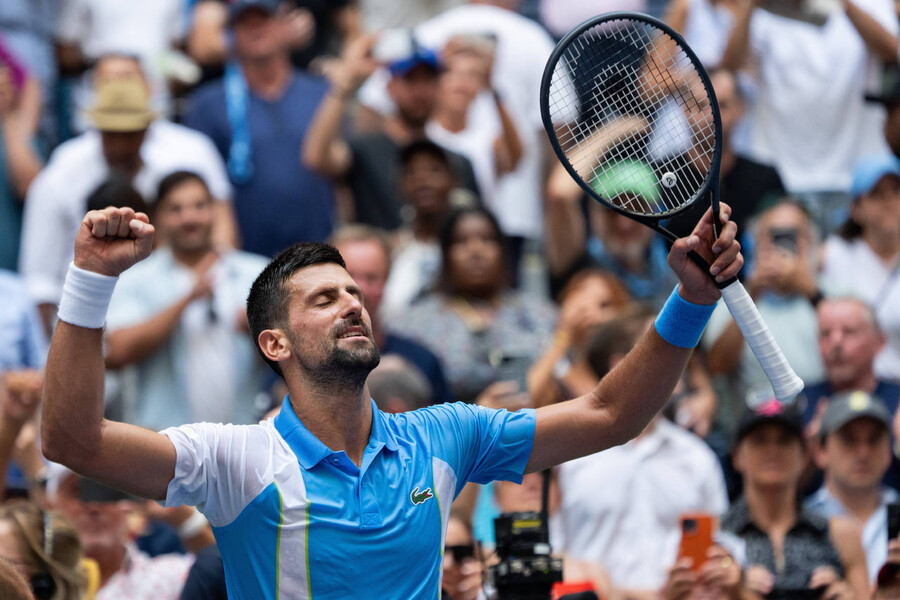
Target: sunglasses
(461,551)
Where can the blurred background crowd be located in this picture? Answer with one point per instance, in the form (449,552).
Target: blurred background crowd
(408,134)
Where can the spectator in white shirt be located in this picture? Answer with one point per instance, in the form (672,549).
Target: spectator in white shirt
(811,120)
(128,139)
(621,508)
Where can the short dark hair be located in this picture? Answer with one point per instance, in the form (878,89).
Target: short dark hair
(174,180)
(116,191)
(268,300)
(424,146)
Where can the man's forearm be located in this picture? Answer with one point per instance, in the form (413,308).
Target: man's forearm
(319,153)
(72,410)
(878,40)
(738,46)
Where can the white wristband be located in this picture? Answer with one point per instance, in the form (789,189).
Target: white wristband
(192,525)
(85,298)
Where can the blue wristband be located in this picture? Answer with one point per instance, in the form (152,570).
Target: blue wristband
(681,323)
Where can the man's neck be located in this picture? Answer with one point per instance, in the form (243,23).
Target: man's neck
(866,382)
(110,562)
(451,121)
(401,131)
(191,258)
(772,508)
(885,246)
(425,229)
(339,416)
(860,503)
(267,77)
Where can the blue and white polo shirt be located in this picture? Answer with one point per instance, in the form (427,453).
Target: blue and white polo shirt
(295,520)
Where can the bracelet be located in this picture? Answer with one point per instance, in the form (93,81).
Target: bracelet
(85,298)
(681,323)
(192,525)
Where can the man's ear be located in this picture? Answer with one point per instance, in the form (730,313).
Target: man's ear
(274,344)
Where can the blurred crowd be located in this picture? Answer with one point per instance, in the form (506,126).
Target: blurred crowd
(408,133)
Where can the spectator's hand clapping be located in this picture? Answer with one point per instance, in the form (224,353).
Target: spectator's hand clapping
(20,395)
(203,277)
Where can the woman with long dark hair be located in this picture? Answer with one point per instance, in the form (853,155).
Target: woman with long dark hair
(483,331)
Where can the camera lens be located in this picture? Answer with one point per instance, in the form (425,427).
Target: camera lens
(689,526)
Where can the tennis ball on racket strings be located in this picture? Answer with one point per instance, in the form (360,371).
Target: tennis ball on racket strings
(668,179)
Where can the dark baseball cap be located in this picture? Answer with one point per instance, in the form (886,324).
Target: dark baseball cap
(844,408)
(889,87)
(770,411)
(420,55)
(236,7)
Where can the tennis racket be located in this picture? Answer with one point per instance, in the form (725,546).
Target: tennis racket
(633,118)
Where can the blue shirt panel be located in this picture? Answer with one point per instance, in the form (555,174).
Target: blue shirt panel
(252,571)
(363,519)
(284,202)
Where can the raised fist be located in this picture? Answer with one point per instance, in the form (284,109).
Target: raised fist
(111,240)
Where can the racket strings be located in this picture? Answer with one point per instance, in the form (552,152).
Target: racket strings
(633,118)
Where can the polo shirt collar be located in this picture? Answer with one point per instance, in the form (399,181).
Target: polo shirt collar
(309,450)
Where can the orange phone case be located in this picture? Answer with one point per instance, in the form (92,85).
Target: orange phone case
(697,530)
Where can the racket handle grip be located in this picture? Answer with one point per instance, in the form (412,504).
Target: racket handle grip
(784,381)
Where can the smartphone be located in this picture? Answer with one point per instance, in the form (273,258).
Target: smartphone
(785,238)
(697,530)
(511,364)
(893,520)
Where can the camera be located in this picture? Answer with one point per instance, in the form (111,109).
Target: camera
(526,570)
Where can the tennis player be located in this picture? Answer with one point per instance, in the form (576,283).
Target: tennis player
(333,498)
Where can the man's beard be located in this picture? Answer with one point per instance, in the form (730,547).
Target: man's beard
(342,367)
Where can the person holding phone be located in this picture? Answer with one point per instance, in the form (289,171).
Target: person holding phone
(855,453)
(782,281)
(788,548)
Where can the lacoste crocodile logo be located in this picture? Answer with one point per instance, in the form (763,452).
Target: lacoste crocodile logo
(418,497)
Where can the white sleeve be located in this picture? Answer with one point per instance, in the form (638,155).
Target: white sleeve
(72,21)
(45,251)
(211,166)
(219,469)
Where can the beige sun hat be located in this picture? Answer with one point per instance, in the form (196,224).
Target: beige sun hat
(122,105)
